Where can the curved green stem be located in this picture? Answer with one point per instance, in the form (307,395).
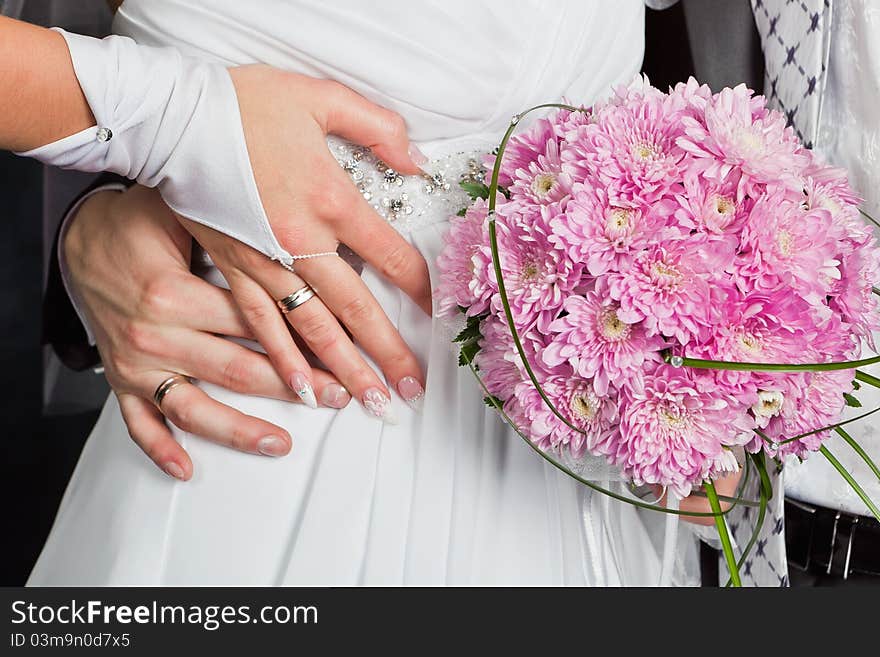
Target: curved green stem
(589,484)
(858,450)
(720,523)
(852,482)
(703,364)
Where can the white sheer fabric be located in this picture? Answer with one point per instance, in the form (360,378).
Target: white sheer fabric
(849,136)
(447,496)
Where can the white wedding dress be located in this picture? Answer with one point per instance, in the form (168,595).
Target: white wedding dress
(449,495)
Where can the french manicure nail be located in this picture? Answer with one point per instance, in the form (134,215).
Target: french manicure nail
(417,156)
(272,446)
(303,389)
(335,396)
(174,470)
(412,392)
(378,403)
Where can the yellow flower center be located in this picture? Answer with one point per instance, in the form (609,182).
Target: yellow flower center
(584,406)
(673,418)
(543,184)
(724,205)
(785,242)
(611,327)
(645,151)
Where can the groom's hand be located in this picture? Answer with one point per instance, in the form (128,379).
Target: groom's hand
(312,206)
(128,264)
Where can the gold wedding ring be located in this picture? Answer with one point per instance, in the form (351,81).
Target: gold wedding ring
(166,386)
(296,299)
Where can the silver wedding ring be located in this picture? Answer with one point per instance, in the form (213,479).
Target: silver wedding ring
(167,386)
(296,299)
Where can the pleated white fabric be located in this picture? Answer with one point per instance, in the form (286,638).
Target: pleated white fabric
(447,496)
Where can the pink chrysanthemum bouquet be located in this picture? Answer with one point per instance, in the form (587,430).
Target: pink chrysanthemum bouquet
(667,280)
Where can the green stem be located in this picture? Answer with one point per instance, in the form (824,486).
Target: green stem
(496,261)
(858,450)
(702,364)
(589,484)
(765,493)
(829,427)
(720,523)
(864,377)
(849,479)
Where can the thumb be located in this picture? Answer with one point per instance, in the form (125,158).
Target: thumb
(353,117)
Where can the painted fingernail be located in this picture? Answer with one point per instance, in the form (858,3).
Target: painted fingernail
(412,392)
(303,389)
(272,446)
(335,396)
(174,470)
(378,403)
(417,156)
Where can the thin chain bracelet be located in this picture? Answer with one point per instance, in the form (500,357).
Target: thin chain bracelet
(306,256)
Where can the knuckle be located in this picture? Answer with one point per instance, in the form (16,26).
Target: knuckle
(181,415)
(138,337)
(397,263)
(159,297)
(358,311)
(318,332)
(333,202)
(240,438)
(394,126)
(257,313)
(237,374)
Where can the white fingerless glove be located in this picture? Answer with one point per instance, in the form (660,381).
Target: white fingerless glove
(170,122)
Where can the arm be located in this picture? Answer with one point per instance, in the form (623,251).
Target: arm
(42,99)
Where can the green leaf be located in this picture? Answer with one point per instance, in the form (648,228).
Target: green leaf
(468,351)
(475,189)
(461,212)
(852,401)
(493,402)
(471,331)
(856,385)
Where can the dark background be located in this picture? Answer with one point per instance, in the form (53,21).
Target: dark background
(38,451)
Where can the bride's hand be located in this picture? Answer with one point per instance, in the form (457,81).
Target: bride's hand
(128,263)
(312,206)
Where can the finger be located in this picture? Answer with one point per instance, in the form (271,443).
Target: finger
(189,301)
(191,409)
(270,329)
(148,430)
(326,338)
(237,368)
(724,486)
(379,244)
(349,298)
(346,113)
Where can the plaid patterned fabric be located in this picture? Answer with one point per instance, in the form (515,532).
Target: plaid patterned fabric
(795,38)
(766,564)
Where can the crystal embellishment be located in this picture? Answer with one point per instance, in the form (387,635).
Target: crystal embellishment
(104,134)
(409,202)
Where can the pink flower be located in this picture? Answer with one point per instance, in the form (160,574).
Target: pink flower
(670,287)
(598,345)
(812,401)
(465,270)
(523,150)
(498,361)
(594,416)
(738,133)
(672,434)
(606,236)
(632,146)
(542,181)
(783,243)
(537,275)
